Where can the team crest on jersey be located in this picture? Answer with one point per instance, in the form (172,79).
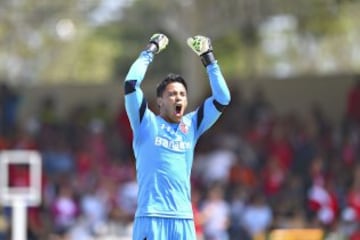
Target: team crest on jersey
(184,128)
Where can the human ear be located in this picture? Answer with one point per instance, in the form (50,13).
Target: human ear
(159,102)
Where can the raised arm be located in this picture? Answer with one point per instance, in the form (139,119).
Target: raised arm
(213,106)
(135,103)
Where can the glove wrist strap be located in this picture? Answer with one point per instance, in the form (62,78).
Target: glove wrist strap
(207,58)
(152,47)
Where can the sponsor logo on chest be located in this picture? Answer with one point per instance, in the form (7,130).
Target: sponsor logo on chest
(170,139)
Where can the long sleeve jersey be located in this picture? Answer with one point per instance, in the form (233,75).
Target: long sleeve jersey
(164,151)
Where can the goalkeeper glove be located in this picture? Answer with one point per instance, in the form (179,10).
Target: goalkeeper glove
(157,43)
(202,47)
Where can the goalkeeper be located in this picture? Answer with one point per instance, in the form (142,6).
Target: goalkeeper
(164,144)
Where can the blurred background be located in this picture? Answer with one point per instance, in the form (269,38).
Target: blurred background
(285,153)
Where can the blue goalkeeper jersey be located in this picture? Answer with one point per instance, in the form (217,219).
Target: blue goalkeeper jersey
(164,151)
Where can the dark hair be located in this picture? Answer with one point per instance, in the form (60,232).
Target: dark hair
(170,78)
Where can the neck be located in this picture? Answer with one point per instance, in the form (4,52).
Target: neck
(169,120)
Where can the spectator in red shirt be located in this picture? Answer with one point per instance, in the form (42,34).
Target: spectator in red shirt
(279,146)
(273,177)
(353,196)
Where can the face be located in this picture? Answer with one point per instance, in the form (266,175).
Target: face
(173,102)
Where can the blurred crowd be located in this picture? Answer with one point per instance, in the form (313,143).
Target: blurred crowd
(254,171)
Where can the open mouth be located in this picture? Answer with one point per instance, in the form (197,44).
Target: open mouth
(178,109)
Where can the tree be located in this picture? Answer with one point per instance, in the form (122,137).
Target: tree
(35,34)
(57,41)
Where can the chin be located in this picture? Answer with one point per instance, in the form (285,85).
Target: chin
(177,119)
